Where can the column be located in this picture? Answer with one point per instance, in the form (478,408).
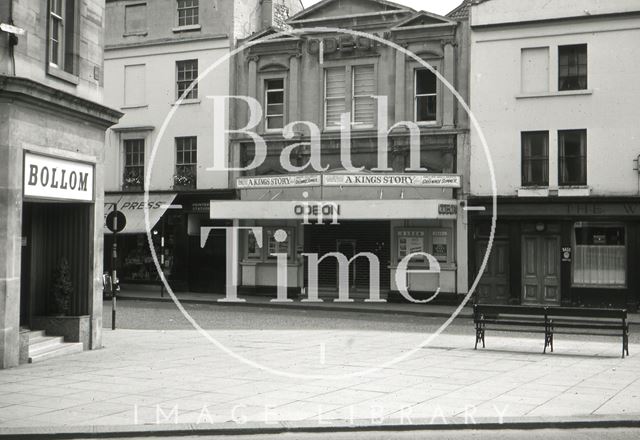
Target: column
(294,87)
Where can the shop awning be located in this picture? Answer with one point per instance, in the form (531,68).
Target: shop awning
(132,206)
(342,209)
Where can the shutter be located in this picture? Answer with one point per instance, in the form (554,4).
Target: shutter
(334,95)
(363,91)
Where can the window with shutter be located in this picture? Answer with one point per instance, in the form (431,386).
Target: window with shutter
(363,103)
(334,96)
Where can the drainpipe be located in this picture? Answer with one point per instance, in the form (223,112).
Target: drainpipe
(13,41)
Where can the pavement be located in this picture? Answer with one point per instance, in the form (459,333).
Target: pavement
(279,380)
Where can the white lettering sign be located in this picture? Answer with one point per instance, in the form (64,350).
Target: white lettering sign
(410,180)
(53,178)
(278,181)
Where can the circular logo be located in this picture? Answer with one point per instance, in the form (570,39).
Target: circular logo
(359,36)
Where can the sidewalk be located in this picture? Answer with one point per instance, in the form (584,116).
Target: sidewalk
(178,377)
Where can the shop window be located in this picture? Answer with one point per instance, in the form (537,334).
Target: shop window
(440,245)
(572,151)
(600,258)
(186,162)
(254,251)
(334,96)
(274,103)
(187,73)
(363,90)
(62,35)
(410,242)
(188,12)
(135,18)
(278,246)
(535,70)
(572,67)
(133,163)
(425,96)
(535,158)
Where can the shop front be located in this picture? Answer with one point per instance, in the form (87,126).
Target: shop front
(175,220)
(570,253)
(322,215)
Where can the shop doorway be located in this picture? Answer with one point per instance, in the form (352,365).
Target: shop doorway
(541,269)
(52,232)
(350,238)
(348,249)
(207,265)
(493,287)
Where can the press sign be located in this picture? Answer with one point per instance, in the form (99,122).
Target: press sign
(54,178)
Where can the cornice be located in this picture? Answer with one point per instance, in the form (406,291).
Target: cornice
(32,92)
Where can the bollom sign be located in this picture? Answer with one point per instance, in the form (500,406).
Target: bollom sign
(48,177)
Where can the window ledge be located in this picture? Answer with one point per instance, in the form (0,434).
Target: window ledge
(57,72)
(188,28)
(187,102)
(131,107)
(533,191)
(552,94)
(574,191)
(135,34)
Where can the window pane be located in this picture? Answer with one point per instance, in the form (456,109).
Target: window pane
(275,122)
(600,257)
(275,84)
(535,159)
(572,146)
(426,108)
(426,82)
(275,97)
(572,67)
(187,72)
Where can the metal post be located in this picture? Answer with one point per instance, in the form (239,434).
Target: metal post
(114,276)
(162,256)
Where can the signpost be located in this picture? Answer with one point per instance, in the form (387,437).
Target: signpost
(116,222)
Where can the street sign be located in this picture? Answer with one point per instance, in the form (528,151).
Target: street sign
(11,29)
(116,221)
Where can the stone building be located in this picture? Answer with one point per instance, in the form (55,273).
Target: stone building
(52,129)
(553,87)
(154,52)
(388,202)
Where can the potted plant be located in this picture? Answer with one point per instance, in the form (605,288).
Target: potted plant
(132,180)
(184,179)
(62,288)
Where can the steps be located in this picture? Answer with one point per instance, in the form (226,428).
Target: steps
(42,347)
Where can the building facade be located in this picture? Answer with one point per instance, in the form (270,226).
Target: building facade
(154,53)
(52,131)
(384,201)
(552,88)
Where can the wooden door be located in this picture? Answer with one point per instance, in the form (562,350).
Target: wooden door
(541,269)
(493,287)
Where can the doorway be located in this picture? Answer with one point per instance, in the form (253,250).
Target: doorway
(493,287)
(348,249)
(541,269)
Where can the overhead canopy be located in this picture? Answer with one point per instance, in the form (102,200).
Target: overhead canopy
(132,206)
(341,210)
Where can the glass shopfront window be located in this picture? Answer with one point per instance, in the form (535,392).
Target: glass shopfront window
(600,255)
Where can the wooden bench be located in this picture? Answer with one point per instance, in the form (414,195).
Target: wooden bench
(551,321)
